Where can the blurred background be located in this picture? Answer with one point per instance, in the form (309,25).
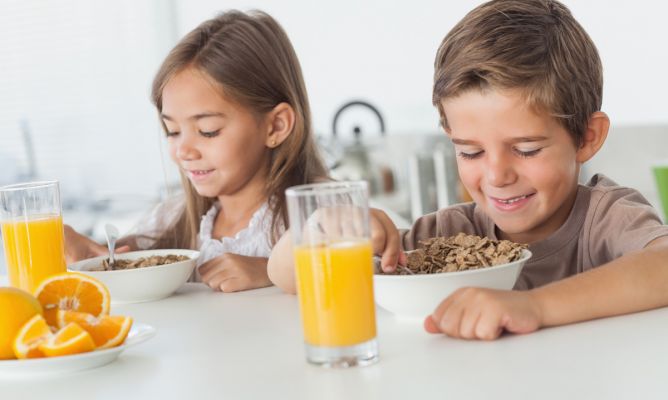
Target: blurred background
(75,78)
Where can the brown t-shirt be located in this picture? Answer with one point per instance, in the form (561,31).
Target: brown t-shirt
(606,222)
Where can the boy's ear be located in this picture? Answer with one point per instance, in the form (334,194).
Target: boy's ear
(594,136)
(281,121)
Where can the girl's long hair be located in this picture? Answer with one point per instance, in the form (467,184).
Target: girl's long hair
(250,56)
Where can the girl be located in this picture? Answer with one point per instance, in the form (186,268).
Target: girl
(233,105)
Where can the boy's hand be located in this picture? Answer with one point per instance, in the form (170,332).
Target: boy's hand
(385,241)
(477,313)
(233,273)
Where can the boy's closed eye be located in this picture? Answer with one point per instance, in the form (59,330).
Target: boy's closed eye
(524,153)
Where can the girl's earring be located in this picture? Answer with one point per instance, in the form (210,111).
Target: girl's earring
(273,143)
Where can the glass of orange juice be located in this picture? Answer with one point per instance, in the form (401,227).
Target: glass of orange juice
(334,271)
(32,232)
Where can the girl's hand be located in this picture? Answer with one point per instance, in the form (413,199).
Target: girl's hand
(79,247)
(476,313)
(232,273)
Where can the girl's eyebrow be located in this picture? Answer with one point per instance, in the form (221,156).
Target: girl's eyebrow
(196,116)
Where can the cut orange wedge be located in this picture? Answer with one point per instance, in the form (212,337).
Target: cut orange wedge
(31,335)
(72,291)
(106,331)
(72,339)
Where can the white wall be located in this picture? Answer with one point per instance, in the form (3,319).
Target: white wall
(383,51)
(80,72)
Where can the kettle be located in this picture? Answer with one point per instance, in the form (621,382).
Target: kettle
(355,163)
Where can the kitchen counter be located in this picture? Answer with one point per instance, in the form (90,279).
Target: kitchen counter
(249,345)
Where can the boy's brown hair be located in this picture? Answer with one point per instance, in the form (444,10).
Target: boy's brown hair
(532,45)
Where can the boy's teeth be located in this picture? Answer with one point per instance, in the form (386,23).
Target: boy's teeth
(513,200)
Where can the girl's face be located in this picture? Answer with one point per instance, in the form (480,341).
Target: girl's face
(518,165)
(218,144)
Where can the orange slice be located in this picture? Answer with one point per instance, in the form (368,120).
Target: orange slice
(72,291)
(31,335)
(106,331)
(72,339)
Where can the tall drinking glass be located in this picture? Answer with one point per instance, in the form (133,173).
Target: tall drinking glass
(334,270)
(32,232)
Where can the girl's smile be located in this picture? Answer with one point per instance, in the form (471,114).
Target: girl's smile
(199,175)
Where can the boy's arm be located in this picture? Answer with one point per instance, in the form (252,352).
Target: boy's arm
(635,282)
(384,240)
(280,266)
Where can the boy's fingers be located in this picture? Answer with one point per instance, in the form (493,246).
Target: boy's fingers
(437,315)
(403,258)
(391,248)
(489,327)
(431,326)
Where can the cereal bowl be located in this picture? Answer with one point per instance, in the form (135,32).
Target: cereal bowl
(145,283)
(413,297)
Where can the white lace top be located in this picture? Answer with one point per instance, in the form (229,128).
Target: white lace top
(252,241)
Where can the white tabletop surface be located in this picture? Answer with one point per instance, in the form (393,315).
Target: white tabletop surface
(249,346)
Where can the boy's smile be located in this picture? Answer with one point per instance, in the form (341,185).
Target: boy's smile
(520,166)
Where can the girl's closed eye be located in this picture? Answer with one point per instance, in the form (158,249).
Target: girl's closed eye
(171,133)
(209,134)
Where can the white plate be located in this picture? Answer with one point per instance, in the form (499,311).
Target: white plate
(63,364)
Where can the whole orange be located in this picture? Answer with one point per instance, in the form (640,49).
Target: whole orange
(16,308)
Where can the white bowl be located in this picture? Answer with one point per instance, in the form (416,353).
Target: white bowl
(413,297)
(141,284)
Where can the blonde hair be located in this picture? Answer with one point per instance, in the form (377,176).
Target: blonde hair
(533,45)
(250,56)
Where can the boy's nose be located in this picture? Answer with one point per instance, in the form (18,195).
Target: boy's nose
(500,171)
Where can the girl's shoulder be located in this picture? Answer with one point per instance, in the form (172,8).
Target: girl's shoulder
(162,215)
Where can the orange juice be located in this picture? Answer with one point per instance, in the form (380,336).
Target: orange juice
(34,250)
(335,286)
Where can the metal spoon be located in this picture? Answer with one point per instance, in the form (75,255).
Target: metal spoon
(111,232)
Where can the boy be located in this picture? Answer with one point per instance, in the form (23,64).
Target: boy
(518,85)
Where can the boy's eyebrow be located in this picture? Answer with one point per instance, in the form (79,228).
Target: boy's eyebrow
(524,139)
(521,139)
(196,116)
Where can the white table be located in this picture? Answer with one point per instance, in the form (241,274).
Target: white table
(249,345)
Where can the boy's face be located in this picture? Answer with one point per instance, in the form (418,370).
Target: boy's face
(518,165)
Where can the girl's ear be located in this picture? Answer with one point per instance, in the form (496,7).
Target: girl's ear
(594,136)
(281,121)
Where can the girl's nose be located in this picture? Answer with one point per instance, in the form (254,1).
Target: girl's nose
(500,170)
(186,148)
